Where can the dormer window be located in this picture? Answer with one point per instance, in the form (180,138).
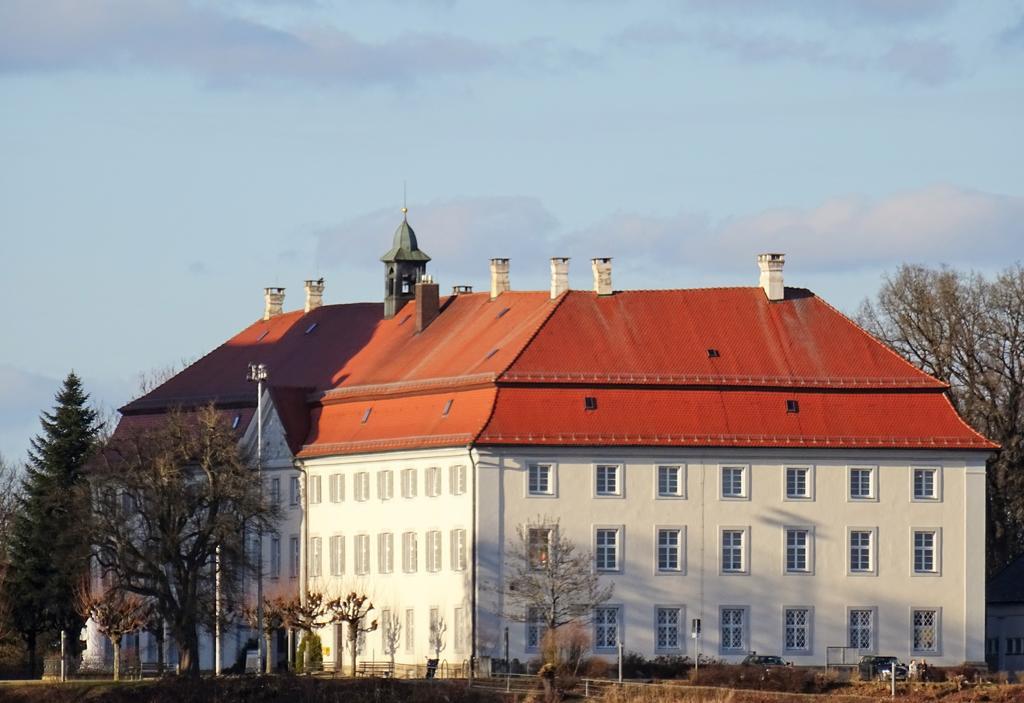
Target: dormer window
(792,406)
(590,403)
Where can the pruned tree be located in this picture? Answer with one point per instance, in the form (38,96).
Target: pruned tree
(438,630)
(47,552)
(549,580)
(165,498)
(275,615)
(353,610)
(392,636)
(116,613)
(968,331)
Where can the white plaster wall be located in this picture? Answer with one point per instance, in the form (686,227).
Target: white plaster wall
(958,591)
(446,589)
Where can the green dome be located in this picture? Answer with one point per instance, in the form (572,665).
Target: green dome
(404,246)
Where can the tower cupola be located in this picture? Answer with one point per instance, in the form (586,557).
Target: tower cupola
(404,265)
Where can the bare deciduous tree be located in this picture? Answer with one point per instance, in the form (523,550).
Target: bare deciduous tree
(165,499)
(550,580)
(438,630)
(115,612)
(968,331)
(353,609)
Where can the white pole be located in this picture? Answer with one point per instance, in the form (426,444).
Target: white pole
(892,675)
(216,615)
(620,661)
(63,656)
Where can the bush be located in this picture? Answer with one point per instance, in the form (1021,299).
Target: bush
(310,654)
(788,678)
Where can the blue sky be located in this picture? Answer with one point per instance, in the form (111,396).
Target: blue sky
(164,160)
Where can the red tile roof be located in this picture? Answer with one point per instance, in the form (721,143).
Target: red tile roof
(517,369)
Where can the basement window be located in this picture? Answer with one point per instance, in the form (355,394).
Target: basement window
(366,414)
(502,313)
(590,403)
(713,353)
(447,408)
(311,327)
(792,406)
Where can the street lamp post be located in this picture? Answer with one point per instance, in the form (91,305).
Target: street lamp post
(258,375)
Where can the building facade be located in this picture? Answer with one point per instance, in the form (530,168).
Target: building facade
(745,457)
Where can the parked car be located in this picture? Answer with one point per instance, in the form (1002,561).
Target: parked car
(872,666)
(765,661)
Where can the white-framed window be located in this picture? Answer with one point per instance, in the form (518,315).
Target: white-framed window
(432,482)
(670,481)
(293,556)
(799,550)
(797,625)
(926,543)
(538,545)
(293,492)
(433,550)
(410,630)
(361,486)
(535,629)
(734,550)
(734,482)
(862,483)
(385,626)
(458,549)
(669,554)
(608,480)
(925,623)
(459,625)
(733,628)
(275,557)
(861,628)
(408,483)
(606,627)
(410,558)
(385,484)
(314,489)
(337,547)
(926,484)
(315,556)
(540,479)
(275,491)
(862,550)
(607,547)
(336,488)
(362,557)
(799,483)
(457,479)
(668,624)
(385,552)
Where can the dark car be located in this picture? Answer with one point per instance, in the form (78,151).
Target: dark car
(876,667)
(765,661)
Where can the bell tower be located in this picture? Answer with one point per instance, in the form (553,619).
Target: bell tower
(404,264)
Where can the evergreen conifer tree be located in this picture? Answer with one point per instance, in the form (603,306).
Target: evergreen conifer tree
(49,550)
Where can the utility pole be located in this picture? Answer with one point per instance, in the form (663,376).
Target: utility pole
(258,375)
(216,614)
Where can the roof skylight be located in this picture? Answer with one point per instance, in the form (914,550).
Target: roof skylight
(502,313)
(311,327)
(265,333)
(590,403)
(447,408)
(792,406)
(491,353)
(366,414)
(713,353)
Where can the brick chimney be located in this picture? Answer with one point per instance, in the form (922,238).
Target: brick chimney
(602,275)
(428,302)
(559,275)
(273,302)
(499,277)
(771,275)
(314,294)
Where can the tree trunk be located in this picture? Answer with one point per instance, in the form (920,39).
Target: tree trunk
(30,644)
(268,650)
(188,649)
(353,636)
(117,657)
(160,651)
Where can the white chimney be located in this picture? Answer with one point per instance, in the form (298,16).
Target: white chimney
(499,277)
(602,275)
(771,275)
(314,294)
(273,299)
(559,275)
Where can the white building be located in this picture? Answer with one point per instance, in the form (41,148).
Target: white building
(745,456)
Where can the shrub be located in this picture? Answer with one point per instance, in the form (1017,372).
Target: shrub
(314,652)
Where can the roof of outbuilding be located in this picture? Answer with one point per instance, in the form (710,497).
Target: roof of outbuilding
(1007,586)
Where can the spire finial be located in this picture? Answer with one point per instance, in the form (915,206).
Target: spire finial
(405,209)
